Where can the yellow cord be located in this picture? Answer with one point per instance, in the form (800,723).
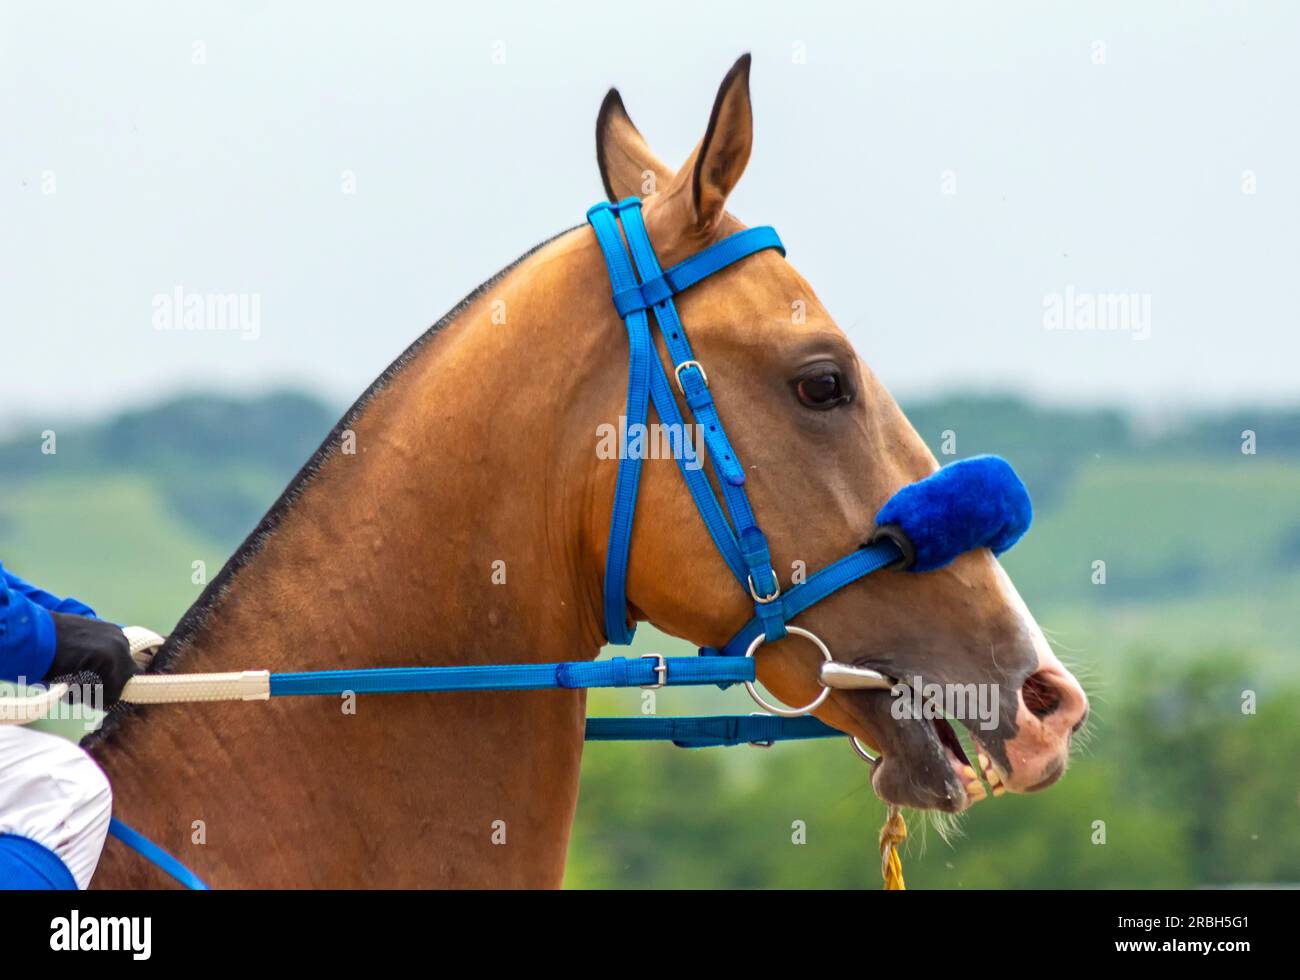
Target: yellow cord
(892,836)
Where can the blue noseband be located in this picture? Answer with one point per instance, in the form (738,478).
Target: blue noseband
(975,503)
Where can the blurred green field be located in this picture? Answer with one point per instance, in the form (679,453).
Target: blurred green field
(1202,553)
(110,539)
(1199,555)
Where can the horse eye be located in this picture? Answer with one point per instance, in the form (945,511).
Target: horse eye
(821,391)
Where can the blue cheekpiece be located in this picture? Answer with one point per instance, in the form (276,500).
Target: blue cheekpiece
(974,503)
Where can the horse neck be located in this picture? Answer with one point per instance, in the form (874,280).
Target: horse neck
(449,526)
(460,530)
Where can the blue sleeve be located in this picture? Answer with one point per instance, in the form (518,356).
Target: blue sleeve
(26,628)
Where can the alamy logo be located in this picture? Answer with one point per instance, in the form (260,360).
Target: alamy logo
(972,703)
(232,312)
(1077,310)
(683,441)
(23,702)
(133,934)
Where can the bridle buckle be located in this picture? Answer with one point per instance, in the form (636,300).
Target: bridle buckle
(767,743)
(660,669)
(765,599)
(677,373)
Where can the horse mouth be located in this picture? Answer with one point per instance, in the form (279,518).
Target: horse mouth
(923,763)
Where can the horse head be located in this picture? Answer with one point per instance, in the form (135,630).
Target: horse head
(824,446)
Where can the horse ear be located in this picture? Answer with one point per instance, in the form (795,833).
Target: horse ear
(720,158)
(628,167)
(694,205)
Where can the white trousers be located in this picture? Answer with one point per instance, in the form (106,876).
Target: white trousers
(55,794)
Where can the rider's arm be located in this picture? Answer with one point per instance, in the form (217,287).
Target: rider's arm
(43,636)
(27,635)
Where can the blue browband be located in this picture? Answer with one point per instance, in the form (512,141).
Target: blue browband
(974,503)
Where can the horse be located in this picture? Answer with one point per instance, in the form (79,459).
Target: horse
(458,514)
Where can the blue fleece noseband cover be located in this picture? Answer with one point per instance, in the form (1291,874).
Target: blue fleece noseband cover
(974,503)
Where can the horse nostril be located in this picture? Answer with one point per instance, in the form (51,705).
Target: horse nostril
(1042,697)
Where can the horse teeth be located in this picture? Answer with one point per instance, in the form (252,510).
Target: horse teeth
(975,790)
(985,762)
(999,790)
(969,774)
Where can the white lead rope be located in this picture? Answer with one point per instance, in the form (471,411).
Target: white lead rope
(237,685)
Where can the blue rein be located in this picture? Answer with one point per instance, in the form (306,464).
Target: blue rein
(974,503)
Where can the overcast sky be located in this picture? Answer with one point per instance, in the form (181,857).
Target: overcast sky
(944,175)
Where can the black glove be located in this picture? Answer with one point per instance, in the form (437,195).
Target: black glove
(84,644)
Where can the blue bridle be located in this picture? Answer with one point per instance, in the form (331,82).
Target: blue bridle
(981,498)
(977,502)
